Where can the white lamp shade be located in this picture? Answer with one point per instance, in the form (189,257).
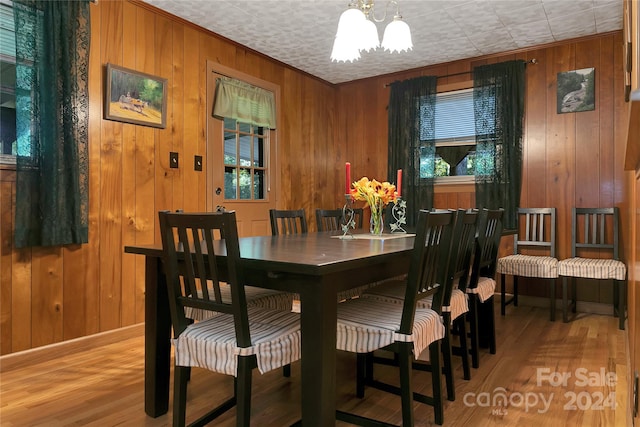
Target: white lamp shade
(397,36)
(368,36)
(344,49)
(349,24)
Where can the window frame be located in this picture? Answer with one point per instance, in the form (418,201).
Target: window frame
(8,159)
(442,181)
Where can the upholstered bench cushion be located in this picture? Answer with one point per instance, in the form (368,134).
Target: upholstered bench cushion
(394,293)
(256,297)
(528,266)
(211,343)
(367,324)
(485,289)
(593,268)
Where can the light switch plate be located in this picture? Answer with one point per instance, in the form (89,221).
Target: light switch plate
(197,163)
(173,160)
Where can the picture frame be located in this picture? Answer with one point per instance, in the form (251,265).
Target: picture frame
(576,91)
(135,97)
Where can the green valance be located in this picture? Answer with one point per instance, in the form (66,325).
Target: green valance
(241,101)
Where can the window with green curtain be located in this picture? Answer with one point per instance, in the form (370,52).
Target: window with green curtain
(238,100)
(498,97)
(411,145)
(52,107)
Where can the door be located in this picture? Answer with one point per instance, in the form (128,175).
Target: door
(241,161)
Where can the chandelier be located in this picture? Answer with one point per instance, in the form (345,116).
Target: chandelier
(357,31)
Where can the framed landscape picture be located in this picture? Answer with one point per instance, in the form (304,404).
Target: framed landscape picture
(135,97)
(576,90)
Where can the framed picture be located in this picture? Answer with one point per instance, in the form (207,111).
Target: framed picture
(576,90)
(135,97)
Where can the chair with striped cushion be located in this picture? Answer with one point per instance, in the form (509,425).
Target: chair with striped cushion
(594,235)
(536,236)
(405,328)
(482,283)
(238,338)
(455,303)
(332,219)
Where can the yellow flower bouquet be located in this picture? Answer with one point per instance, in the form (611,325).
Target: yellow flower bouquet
(377,195)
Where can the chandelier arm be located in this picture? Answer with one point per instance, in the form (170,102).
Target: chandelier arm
(366,7)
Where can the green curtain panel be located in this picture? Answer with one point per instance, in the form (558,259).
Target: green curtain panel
(412,106)
(498,101)
(52,107)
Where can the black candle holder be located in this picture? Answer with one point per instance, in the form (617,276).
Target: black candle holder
(348,217)
(399,213)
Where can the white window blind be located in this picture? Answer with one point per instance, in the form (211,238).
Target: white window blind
(454,116)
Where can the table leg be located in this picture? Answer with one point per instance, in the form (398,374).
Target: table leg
(157,347)
(318,324)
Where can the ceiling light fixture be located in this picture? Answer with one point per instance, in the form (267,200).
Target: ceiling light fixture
(357,32)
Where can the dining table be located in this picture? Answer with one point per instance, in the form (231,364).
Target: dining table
(317,266)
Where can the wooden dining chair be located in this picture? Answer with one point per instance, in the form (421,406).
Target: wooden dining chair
(594,235)
(237,339)
(332,219)
(284,221)
(482,283)
(536,237)
(455,303)
(404,328)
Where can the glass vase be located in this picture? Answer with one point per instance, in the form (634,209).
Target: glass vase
(376,224)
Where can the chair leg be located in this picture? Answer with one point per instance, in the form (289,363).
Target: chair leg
(473,330)
(447,359)
(503,294)
(490,319)
(286,371)
(460,326)
(574,293)
(406,391)
(552,300)
(436,382)
(622,292)
(565,314)
(515,291)
(360,374)
(243,384)
(180,379)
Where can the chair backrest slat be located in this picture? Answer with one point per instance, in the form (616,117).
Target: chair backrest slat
(287,221)
(464,234)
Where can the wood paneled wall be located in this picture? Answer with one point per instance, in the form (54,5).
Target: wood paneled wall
(50,295)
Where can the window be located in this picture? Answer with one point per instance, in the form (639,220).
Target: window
(245,154)
(7,83)
(455,137)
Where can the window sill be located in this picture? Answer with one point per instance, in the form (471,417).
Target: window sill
(455,184)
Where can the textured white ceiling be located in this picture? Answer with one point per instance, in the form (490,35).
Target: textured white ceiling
(301,32)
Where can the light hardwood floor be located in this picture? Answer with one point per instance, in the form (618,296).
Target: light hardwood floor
(100,383)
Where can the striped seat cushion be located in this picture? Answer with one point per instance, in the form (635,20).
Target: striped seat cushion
(211,343)
(256,297)
(367,324)
(394,293)
(485,289)
(593,268)
(528,266)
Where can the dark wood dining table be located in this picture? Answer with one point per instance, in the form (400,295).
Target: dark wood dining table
(315,265)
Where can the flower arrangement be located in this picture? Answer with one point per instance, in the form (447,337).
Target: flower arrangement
(377,195)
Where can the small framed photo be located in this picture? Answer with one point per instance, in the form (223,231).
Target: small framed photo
(135,97)
(576,90)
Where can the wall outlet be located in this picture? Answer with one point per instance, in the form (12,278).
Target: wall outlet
(173,160)
(197,163)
